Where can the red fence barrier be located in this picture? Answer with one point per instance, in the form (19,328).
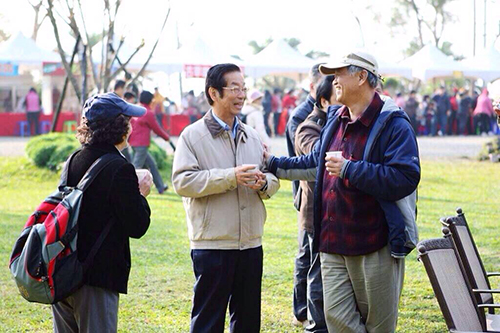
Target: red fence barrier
(10,122)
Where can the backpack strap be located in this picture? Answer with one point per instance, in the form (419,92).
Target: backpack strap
(95,169)
(97,245)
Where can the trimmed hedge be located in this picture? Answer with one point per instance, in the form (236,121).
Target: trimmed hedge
(159,155)
(51,150)
(490,150)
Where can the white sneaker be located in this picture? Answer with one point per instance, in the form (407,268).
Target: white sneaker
(299,323)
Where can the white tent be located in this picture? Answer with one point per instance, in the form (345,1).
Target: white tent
(196,54)
(430,63)
(25,51)
(277,58)
(485,66)
(394,69)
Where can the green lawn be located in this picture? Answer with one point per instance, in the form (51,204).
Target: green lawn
(160,287)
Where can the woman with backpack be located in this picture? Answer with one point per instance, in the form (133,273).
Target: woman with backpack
(114,203)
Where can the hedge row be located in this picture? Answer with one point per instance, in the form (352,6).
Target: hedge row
(51,150)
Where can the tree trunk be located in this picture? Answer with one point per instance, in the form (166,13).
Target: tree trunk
(55,118)
(72,79)
(419,23)
(474,39)
(83,64)
(89,49)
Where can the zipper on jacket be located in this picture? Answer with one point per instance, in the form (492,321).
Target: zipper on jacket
(234,147)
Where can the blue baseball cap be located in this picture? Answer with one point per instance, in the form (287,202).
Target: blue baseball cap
(108,106)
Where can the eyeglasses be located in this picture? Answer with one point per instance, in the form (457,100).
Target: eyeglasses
(236,90)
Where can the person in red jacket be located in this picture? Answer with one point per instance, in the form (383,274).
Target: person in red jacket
(140,140)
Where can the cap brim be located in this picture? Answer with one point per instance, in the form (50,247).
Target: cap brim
(133,110)
(329,68)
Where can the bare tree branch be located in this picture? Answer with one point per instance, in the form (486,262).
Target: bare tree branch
(89,49)
(153,49)
(104,47)
(109,41)
(122,40)
(419,21)
(67,67)
(61,16)
(37,23)
(123,65)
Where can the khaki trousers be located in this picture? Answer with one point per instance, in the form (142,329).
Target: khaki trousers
(361,293)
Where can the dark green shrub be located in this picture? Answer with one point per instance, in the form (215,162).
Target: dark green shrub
(490,150)
(50,150)
(159,155)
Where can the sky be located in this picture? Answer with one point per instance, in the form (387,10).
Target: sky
(228,25)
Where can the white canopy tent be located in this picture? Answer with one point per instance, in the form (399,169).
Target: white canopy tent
(485,65)
(394,69)
(196,53)
(25,51)
(430,62)
(277,58)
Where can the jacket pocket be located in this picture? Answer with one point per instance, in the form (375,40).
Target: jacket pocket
(197,210)
(258,217)
(221,221)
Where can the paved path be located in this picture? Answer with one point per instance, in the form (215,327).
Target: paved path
(431,148)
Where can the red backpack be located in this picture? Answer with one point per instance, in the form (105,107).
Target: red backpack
(44,260)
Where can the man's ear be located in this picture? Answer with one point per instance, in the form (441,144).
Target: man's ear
(324,103)
(362,77)
(214,93)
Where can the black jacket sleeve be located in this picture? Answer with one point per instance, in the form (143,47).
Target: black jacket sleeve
(131,208)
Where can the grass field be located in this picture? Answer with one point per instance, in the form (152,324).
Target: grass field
(160,287)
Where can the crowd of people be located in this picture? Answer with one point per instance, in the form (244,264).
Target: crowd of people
(458,113)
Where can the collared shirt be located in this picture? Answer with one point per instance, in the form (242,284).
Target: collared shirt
(226,126)
(353,223)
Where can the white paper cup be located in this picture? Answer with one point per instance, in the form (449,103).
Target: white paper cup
(141,173)
(255,168)
(336,154)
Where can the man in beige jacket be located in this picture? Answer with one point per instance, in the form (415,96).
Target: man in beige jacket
(219,171)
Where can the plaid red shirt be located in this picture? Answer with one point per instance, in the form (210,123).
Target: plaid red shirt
(353,223)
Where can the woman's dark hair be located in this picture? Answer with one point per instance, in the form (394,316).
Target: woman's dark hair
(119,84)
(129,95)
(146,97)
(104,131)
(215,78)
(324,89)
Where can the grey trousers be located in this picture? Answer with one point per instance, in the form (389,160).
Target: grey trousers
(89,310)
(361,293)
(142,158)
